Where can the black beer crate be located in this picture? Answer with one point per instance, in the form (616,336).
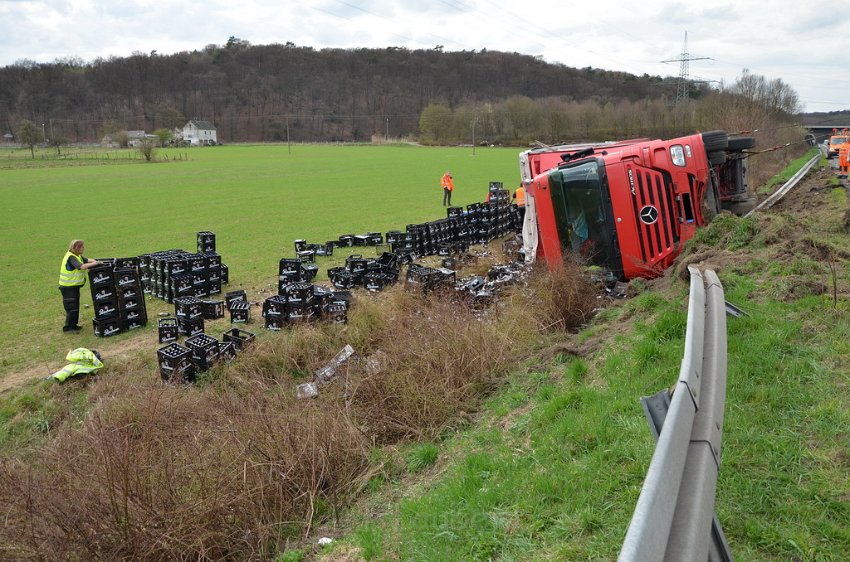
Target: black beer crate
(335,313)
(204,351)
(212,309)
(175,266)
(132,320)
(213,260)
(225,274)
(129,293)
(454,212)
(356,263)
(376,281)
(274,306)
(306,256)
(201,291)
(106,308)
(189,308)
(103,293)
(235,296)
(326,249)
(275,323)
(191,327)
(300,245)
(309,272)
(240,311)
(127,263)
(290,277)
(197,264)
(167,328)
(240,338)
(342,297)
(341,278)
(206,242)
(299,311)
(288,266)
(214,287)
(181,285)
(132,303)
(321,292)
(101,275)
(126,277)
(346,240)
(107,326)
(226,351)
(299,292)
(175,364)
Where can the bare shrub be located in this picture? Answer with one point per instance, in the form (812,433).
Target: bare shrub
(175,474)
(561,299)
(438,361)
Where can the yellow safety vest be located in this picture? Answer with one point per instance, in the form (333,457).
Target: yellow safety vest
(82,361)
(73,278)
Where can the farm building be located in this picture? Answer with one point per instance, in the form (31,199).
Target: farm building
(133,139)
(198,132)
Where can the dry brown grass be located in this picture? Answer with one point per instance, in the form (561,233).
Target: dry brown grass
(236,468)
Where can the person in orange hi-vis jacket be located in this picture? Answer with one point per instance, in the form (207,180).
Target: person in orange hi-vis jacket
(842,159)
(448,185)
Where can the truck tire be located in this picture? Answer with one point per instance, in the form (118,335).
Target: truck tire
(715,140)
(741,143)
(716,158)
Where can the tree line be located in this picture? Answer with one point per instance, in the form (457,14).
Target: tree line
(285,92)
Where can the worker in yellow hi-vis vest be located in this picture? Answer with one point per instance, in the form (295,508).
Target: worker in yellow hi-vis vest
(72,277)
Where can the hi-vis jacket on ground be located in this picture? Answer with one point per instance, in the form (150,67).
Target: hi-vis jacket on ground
(82,361)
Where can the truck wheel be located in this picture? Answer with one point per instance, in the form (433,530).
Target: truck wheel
(715,140)
(741,143)
(716,158)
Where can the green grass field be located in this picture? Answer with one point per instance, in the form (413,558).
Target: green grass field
(257,200)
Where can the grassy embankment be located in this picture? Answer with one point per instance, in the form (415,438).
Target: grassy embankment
(553,468)
(257,199)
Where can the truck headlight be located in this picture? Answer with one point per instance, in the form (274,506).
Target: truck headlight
(677,155)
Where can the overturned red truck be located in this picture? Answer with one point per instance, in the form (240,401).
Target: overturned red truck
(629,206)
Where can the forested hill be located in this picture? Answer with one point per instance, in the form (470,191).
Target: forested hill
(264,92)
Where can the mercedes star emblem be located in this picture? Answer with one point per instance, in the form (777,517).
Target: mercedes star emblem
(648,214)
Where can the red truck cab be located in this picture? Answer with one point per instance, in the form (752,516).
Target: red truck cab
(628,206)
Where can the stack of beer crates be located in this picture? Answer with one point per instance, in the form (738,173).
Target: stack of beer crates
(117,296)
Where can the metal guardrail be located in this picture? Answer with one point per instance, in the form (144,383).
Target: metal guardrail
(674,513)
(786,187)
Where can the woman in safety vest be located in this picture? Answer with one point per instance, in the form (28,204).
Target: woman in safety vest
(448,185)
(71,277)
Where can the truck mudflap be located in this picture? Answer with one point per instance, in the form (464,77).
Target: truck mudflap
(530,239)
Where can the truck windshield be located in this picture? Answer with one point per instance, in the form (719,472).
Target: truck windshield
(582,212)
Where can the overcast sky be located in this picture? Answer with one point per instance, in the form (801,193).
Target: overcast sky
(803,43)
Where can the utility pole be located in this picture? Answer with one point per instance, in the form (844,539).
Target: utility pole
(387,137)
(44,133)
(683,60)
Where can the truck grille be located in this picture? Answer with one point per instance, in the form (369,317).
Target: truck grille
(653,199)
